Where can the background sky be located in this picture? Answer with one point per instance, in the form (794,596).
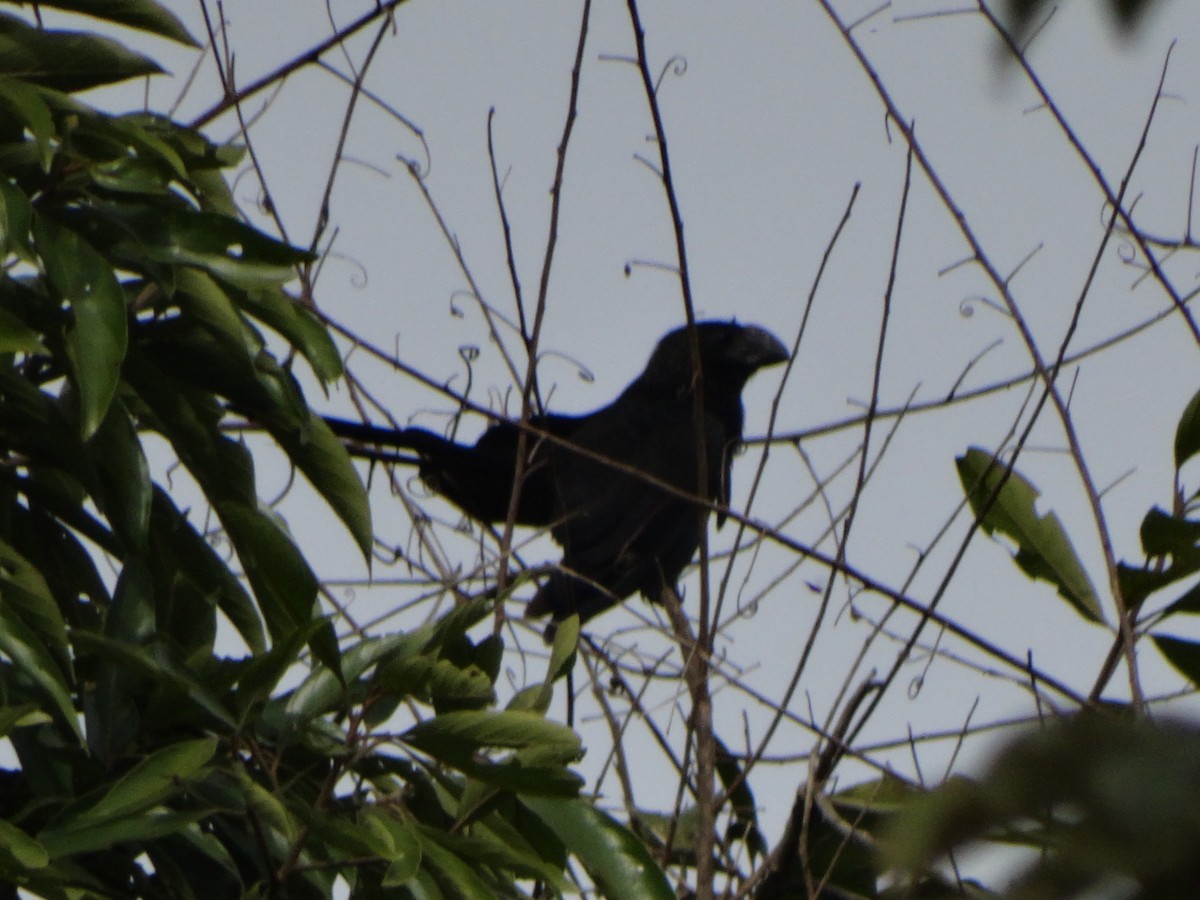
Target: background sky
(772,123)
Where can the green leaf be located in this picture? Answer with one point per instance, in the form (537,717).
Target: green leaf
(145,15)
(325,463)
(537,697)
(1183,655)
(1043,549)
(615,859)
(298,325)
(23,102)
(21,716)
(16,336)
(133,830)
(20,848)
(466,882)
(125,488)
(436,680)
(465,732)
(154,664)
(30,656)
(151,782)
(66,60)
(1187,432)
(96,341)
(167,232)
(285,586)
(25,594)
(174,542)
(397,841)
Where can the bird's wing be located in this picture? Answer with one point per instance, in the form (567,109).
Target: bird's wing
(619,529)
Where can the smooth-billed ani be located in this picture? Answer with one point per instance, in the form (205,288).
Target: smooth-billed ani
(620,533)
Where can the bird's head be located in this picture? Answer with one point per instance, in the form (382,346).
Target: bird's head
(729,354)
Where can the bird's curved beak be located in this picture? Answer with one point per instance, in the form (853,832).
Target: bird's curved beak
(760,348)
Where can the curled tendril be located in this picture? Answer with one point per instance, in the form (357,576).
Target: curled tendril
(914,686)
(1127,252)
(585,374)
(631,264)
(360,277)
(1118,225)
(455,310)
(414,165)
(469,353)
(676,65)
(966,308)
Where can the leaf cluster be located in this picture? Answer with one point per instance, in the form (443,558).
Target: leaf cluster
(137,308)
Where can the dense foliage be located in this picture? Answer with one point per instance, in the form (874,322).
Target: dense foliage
(139,315)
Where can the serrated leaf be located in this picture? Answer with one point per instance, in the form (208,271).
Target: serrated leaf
(615,859)
(97,338)
(1043,549)
(66,60)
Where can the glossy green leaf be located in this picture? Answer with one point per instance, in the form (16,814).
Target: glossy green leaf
(285,586)
(145,15)
(323,459)
(66,60)
(27,651)
(20,849)
(467,731)
(17,337)
(171,678)
(222,246)
(1043,549)
(299,325)
(25,593)
(616,860)
(96,340)
(322,691)
(398,842)
(16,218)
(20,716)
(125,488)
(24,103)
(104,835)
(152,781)
(467,883)
(175,542)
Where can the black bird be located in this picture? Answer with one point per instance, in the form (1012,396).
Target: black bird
(620,533)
